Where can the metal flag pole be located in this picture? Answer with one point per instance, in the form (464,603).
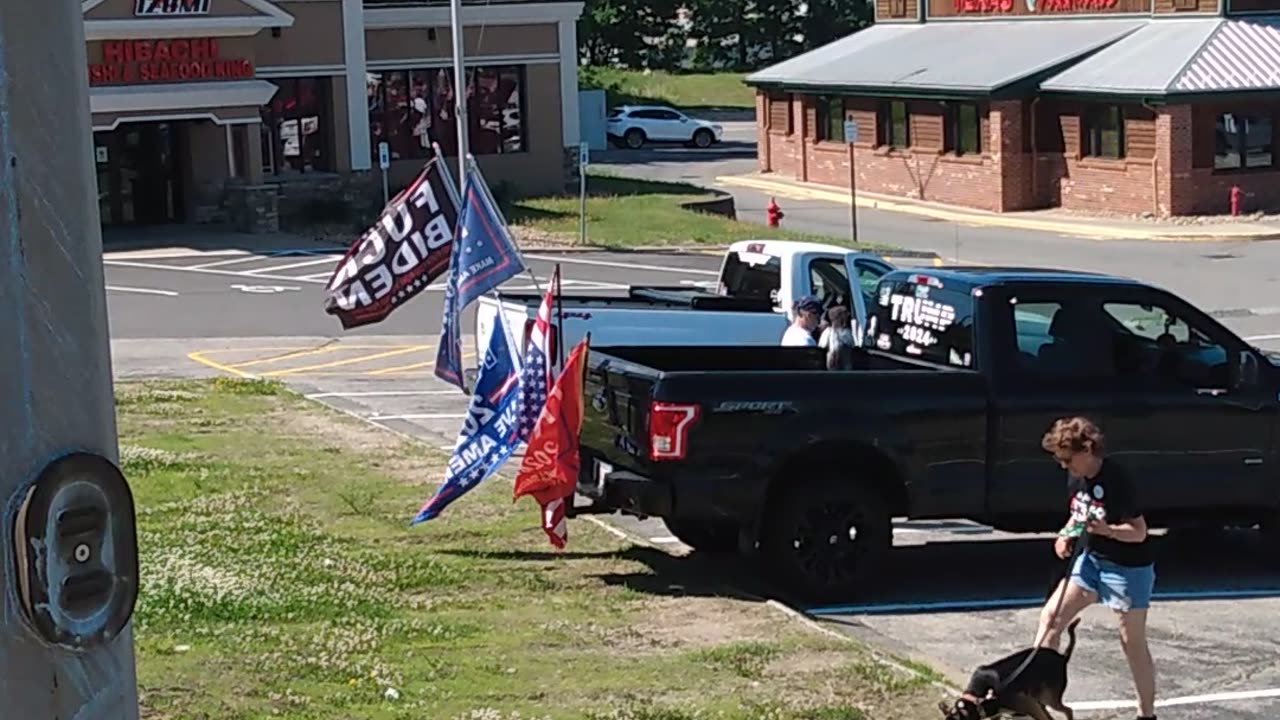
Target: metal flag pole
(55,662)
(459,89)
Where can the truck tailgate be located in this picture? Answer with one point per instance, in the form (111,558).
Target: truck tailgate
(615,419)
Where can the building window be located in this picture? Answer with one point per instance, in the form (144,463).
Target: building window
(895,125)
(296,127)
(1103,132)
(831,119)
(964,129)
(1243,141)
(410,109)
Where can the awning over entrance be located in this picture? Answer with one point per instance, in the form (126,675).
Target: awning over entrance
(1185,56)
(176,98)
(971,57)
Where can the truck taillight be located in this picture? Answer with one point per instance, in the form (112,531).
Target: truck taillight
(669,425)
(553,337)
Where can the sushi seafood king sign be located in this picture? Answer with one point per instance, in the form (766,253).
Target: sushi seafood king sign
(170,8)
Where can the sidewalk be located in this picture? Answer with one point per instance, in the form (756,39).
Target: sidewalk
(1048,221)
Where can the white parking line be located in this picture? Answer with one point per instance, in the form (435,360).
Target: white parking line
(205,271)
(1256,338)
(1185,700)
(143,291)
(246,258)
(622,265)
(422,416)
(383,393)
(305,263)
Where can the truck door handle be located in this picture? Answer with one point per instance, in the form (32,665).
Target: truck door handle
(1211,392)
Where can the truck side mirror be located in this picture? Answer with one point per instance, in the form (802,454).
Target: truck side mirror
(1244,370)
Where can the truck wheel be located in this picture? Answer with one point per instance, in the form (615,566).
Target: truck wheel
(826,537)
(705,535)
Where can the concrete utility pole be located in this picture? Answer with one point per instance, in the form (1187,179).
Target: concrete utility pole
(74,660)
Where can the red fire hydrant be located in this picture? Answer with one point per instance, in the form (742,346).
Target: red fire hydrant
(773,213)
(1236,194)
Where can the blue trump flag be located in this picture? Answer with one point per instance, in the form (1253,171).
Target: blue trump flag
(489,433)
(484,256)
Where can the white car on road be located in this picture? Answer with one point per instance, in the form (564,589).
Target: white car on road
(632,126)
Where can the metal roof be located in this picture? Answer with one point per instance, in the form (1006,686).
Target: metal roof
(1145,62)
(1244,54)
(1181,56)
(972,56)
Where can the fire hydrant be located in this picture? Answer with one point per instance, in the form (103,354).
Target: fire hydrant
(1236,194)
(773,213)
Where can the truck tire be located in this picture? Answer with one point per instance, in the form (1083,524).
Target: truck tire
(826,538)
(705,535)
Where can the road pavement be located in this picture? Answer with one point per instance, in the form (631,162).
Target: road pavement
(958,593)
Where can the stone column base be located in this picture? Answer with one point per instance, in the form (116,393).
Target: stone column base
(253,209)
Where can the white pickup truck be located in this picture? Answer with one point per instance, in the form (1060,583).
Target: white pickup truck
(751,305)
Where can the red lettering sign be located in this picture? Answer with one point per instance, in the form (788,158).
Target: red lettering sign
(127,62)
(1034,6)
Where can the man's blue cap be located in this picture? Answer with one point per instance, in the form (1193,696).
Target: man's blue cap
(807,302)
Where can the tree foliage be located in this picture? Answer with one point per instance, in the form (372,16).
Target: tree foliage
(712,34)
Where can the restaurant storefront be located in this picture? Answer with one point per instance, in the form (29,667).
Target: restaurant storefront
(247,111)
(1134,107)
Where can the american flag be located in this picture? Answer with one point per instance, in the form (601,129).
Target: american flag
(535,380)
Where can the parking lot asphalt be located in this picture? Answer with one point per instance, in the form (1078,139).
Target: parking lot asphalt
(956,594)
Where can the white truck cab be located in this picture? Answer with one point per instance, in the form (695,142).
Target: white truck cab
(751,305)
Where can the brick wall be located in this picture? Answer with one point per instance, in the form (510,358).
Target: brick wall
(1209,188)
(1161,173)
(921,173)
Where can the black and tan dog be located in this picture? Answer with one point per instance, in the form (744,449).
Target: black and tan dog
(1039,685)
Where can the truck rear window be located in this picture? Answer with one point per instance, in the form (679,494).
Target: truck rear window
(919,317)
(754,276)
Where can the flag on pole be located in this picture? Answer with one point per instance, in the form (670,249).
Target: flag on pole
(535,378)
(400,254)
(549,471)
(484,256)
(488,435)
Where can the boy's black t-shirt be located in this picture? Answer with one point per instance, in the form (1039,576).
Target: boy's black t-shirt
(1108,496)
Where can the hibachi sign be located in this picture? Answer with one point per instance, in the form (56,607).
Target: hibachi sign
(169,8)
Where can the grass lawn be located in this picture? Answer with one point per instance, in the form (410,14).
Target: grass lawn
(627,213)
(687,91)
(279,578)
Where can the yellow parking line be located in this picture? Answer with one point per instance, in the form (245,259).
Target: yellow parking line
(415,366)
(288,356)
(348,361)
(198,357)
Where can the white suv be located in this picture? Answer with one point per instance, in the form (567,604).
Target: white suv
(632,126)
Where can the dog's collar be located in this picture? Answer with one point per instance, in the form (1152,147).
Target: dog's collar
(979,703)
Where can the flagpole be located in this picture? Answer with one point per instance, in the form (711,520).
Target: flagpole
(459,88)
(559,316)
(450,186)
(484,186)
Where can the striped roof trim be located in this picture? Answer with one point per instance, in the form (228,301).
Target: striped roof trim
(1243,54)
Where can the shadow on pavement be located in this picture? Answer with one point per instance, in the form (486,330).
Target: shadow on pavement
(728,150)
(955,575)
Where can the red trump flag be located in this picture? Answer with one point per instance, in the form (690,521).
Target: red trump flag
(549,471)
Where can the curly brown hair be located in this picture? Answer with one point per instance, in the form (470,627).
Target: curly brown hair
(1074,435)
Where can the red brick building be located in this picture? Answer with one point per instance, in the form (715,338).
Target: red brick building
(1131,106)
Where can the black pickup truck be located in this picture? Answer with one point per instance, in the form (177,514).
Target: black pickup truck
(963,369)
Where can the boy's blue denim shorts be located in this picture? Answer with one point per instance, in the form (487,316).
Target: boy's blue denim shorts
(1119,587)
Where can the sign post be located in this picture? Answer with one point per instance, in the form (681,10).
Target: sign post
(384,162)
(851,137)
(584,160)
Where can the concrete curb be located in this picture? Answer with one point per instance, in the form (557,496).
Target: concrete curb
(1095,232)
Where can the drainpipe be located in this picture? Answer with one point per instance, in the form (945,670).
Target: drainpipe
(1155,170)
(1035,153)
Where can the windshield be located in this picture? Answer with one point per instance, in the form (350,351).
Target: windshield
(919,317)
(753,275)
(615,113)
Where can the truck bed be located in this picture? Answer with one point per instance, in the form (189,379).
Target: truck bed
(667,297)
(663,361)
